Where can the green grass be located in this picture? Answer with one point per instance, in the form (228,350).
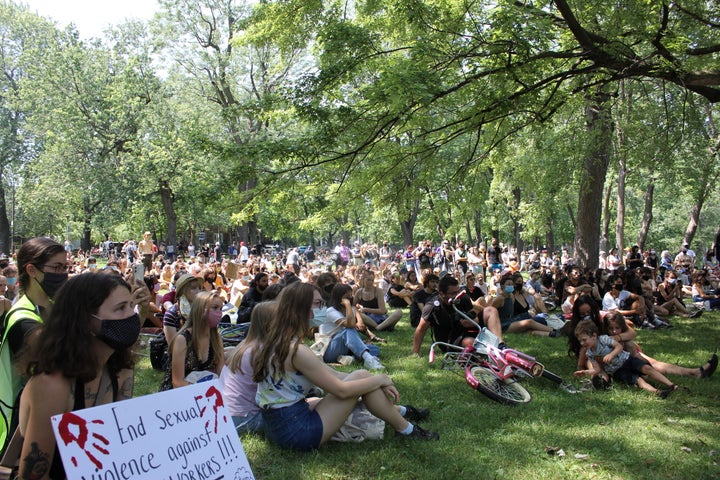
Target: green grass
(619,434)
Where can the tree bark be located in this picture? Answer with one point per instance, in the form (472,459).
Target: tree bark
(605,232)
(407,225)
(167,197)
(597,159)
(5,234)
(647,213)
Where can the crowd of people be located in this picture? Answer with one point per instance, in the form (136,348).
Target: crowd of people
(275,381)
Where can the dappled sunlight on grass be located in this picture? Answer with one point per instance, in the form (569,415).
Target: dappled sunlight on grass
(621,433)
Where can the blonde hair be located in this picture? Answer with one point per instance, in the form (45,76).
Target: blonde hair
(259,320)
(198,318)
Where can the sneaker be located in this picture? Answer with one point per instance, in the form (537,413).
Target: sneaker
(695,313)
(372,363)
(555,333)
(413,414)
(419,433)
(647,325)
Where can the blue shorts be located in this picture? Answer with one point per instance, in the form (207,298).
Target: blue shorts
(253,422)
(295,426)
(377,317)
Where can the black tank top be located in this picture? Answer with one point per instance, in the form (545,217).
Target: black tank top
(57,471)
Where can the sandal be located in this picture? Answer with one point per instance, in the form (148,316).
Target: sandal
(666,393)
(712,366)
(377,339)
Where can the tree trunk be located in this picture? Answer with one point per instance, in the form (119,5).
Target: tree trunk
(88,214)
(477,220)
(407,225)
(597,159)
(168,202)
(622,173)
(516,222)
(5,234)
(605,232)
(647,214)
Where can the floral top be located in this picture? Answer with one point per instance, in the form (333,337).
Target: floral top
(192,363)
(282,392)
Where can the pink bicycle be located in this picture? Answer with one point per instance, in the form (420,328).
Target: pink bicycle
(492,371)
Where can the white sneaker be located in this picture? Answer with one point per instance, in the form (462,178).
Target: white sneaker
(345,359)
(372,363)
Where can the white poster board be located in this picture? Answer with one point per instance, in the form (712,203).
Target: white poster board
(182,434)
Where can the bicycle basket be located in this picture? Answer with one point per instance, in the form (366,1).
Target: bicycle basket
(485,337)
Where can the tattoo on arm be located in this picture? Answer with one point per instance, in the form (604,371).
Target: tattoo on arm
(36,463)
(126,389)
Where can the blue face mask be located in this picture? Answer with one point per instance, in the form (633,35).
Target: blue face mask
(11,281)
(319,316)
(509,289)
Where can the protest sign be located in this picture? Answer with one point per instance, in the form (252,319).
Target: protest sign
(181,434)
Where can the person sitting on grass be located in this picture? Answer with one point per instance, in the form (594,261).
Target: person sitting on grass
(447,325)
(339,322)
(430,284)
(609,359)
(370,302)
(239,389)
(617,328)
(506,304)
(669,296)
(197,347)
(703,290)
(631,305)
(286,370)
(397,294)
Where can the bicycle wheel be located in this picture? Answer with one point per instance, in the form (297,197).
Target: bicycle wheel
(509,393)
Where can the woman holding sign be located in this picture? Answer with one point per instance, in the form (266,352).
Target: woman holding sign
(286,369)
(82,359)
(197,347)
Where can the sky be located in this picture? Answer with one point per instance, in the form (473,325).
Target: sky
(91,17)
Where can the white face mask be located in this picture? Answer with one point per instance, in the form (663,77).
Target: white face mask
(185,306)
(672,281)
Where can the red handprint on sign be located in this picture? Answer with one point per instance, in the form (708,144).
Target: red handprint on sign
(68,436)
(210,394)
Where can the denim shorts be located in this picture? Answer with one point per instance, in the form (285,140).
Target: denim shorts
(253,422)
(377,317)
(295,426)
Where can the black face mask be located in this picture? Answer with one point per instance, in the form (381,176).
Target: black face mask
(618,287)
(120,334)
(328,288)
(52,282)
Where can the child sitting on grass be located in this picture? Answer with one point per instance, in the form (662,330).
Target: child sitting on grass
(615,326)
(608,358)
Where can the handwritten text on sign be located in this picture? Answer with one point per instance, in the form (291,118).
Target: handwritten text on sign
(181,434)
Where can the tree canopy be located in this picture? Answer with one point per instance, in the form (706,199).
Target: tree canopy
(402,119)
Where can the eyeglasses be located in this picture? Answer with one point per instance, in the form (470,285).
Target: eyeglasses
(56,268)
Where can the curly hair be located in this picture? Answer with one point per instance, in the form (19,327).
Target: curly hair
(62,345)
(286,328)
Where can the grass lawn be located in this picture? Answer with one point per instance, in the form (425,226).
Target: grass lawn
(618,434)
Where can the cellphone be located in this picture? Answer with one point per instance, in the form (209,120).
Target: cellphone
(138,271)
